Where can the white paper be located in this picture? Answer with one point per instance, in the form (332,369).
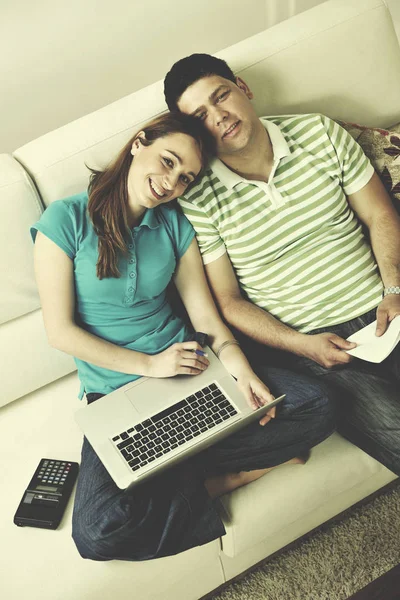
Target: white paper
(373,348)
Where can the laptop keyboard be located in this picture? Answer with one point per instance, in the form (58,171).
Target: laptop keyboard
(174,426)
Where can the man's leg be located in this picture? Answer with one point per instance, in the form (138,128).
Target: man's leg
(304,419)
(369,399)
(370,412)
(367,394)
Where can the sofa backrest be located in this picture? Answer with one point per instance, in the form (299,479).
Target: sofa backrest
(26,360)
(341,58)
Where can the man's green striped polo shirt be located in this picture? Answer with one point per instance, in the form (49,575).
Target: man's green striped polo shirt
(296,246)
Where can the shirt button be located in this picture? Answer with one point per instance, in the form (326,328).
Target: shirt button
(130,246)
(130,289)
(132,261)
(132,275)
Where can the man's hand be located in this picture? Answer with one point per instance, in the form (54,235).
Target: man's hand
(387,310)
(327,349)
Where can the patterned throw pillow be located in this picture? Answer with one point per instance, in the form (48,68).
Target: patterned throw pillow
(383,149)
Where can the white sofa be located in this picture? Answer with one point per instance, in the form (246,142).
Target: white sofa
(341,58)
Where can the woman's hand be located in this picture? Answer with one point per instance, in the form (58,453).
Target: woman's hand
(178,359)
(257,394)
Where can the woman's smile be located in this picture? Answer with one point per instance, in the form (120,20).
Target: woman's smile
(157,191)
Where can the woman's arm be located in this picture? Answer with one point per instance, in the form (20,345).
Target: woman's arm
(192,286)
(55,280)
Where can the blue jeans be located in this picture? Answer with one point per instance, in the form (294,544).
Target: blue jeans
(367,394)
(173,512)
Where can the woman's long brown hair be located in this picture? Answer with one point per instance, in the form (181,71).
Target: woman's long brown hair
(108,189)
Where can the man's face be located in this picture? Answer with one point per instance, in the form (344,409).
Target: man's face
(225,109)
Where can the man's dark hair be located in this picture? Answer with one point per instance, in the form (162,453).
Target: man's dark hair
(190,69)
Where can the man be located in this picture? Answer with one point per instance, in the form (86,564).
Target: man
(278,217)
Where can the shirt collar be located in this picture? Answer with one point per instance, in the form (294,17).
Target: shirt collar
(280,149)
(150,219)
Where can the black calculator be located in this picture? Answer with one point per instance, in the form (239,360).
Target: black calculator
(46,497)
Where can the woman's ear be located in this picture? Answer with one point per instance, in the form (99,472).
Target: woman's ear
(137,144)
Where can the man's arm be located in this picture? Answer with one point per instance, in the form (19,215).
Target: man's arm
(374,208)
(326,349)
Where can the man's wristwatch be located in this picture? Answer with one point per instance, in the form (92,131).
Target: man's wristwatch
(393,289)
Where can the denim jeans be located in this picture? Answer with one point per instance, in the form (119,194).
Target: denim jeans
(367,394)
(173,512)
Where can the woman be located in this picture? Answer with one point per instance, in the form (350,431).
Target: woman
(103,261)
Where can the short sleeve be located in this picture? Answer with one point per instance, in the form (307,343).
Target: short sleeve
(356,169)
(181,230)
(59,225)
(208,238)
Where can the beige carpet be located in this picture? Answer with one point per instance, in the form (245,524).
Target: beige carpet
(334,562)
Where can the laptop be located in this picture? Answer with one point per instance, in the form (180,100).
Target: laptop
(151,424)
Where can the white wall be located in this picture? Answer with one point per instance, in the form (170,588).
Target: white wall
(60,59)
(279,10)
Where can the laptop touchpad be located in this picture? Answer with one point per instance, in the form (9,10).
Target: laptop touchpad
(150,396)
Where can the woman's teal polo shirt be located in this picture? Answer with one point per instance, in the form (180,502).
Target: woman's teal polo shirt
(131,311)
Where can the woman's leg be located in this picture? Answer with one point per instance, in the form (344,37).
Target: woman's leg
(223,484)
(168,514)
(173,512)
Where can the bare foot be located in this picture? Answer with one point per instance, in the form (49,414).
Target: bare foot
(299,460)
(222,484)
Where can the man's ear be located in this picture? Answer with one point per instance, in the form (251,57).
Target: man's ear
(244,87)
(137,144)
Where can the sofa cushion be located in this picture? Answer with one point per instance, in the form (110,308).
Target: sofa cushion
(20,206)
(382,146)
(41,425)
(303,496)
(27,360)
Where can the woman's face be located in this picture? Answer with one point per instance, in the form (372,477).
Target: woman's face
(162,171)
